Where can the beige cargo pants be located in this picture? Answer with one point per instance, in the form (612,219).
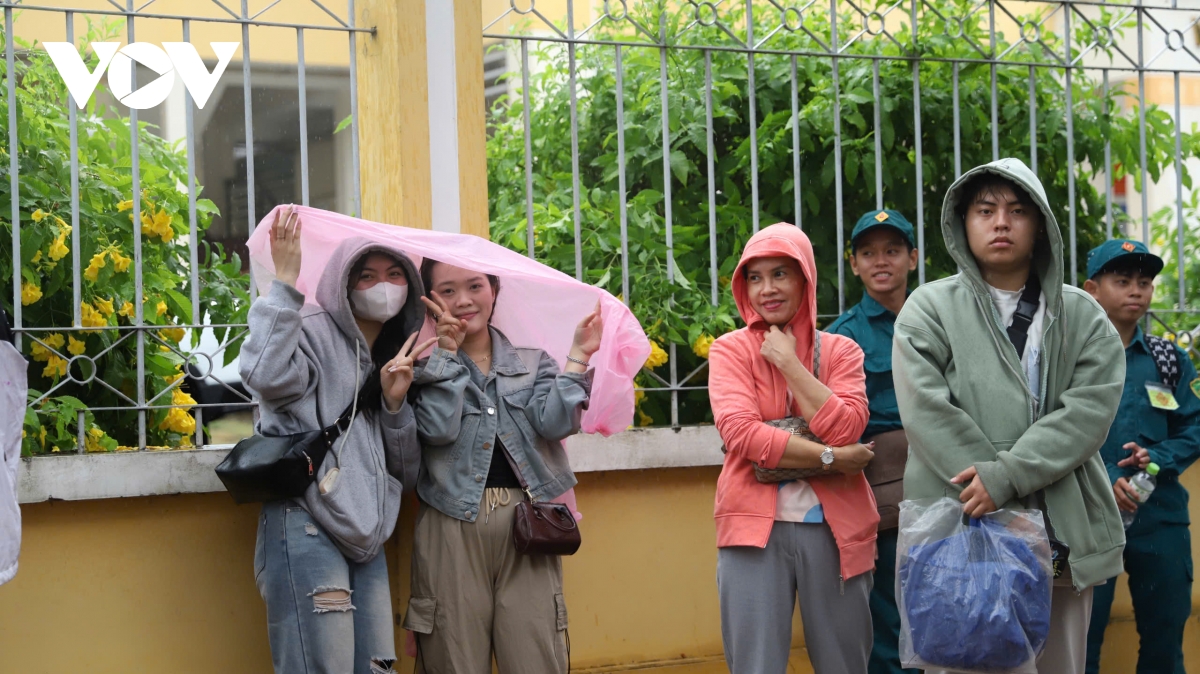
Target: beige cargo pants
(474,595)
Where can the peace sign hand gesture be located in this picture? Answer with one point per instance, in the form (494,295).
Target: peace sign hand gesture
(285,245)
(450,331)
(397,374)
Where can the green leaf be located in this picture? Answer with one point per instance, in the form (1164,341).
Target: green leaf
(343,124)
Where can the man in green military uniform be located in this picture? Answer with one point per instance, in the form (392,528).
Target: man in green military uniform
(882,255)
(1158,421)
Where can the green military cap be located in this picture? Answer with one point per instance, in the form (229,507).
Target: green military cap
(1126,252)
(884,218)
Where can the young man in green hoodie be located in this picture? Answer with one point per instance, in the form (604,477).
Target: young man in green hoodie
(882,253)
(1159,422)
(1007,395)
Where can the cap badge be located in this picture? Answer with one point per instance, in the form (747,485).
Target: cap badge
(881,216)
(1127,247)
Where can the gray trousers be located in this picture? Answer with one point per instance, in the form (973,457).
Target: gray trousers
(758,588)
(1066,645)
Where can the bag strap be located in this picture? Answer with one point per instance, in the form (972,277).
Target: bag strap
(1027,307)
(346,418)
(1166,360)
(817,354)
(6,333)
(816,370)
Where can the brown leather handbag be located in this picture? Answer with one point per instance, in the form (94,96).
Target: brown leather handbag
(545,529)
(885,474)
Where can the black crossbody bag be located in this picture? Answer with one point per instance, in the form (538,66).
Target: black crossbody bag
(1018,334)
(271,468)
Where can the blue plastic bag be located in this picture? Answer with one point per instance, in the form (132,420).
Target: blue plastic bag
(974,597)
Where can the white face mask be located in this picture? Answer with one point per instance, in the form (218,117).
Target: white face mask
(380,302)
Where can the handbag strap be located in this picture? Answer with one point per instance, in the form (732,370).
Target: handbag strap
(345,421)
(816,368)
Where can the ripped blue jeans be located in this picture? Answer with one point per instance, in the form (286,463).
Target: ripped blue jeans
(325,614)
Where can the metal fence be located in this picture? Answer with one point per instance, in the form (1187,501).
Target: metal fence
(1107,47)
(140,399)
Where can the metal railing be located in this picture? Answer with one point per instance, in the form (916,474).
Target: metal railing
(1098,49)
(84,369)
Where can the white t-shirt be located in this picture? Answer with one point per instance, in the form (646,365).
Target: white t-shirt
(1006,304)
(798,502)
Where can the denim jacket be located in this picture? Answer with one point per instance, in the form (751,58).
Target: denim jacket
(524,401)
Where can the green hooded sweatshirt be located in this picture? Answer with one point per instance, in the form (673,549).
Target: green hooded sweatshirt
(965,400)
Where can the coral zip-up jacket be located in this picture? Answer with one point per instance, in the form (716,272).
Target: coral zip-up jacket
(746,390)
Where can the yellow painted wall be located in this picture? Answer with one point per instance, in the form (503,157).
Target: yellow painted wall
(165,584)
(267,44)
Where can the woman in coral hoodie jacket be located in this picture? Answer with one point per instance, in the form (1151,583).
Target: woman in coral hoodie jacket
(813,538)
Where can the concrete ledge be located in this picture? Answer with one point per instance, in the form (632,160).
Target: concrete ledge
(78,477)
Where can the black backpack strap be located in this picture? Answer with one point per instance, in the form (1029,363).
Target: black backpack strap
(6,333)
(1166,360)
(1027,306)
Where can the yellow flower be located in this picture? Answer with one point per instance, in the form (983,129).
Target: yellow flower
(173,378)
(37,257)
(42,437)
(62,224)
(158,224)
(179,397)
(94,267)
(172,334)
(644,419)
(56,340)
(56,367)
(125,205)
(701,345)
(39,352)
(104,305)
(92,440)
(38,215)
(638,397)
(128,310)
(179,421)
(160,308)
(1170,337)
(58,249)
(76,347)
(91,317)
(657,355)
(125,448)
(30,293)
(120,262)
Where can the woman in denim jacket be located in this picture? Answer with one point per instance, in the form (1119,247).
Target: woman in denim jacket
(490,417)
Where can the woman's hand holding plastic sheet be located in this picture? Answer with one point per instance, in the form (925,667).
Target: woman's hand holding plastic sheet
(285,245)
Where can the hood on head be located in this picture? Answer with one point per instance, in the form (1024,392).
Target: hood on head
(1047,254)
(333,293)
(781,240)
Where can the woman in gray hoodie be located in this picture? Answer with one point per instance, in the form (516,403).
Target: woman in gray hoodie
(317,562)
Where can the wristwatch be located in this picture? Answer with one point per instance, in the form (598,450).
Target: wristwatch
(827,458)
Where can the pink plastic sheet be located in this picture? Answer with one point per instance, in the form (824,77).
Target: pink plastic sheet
(537,306)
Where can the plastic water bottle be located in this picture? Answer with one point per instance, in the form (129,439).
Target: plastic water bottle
(1143,485)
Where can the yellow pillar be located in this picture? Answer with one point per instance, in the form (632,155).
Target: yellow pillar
(394,124)
(472,117)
